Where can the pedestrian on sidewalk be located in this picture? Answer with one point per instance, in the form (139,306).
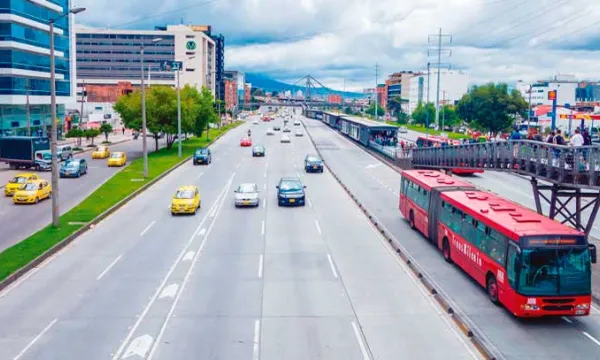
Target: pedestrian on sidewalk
(123,130)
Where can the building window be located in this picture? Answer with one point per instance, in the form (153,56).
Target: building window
(190,36)
(190,70)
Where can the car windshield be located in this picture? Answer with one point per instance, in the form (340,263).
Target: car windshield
(101,149)
(202,152)
(246,188)
(184,194)
(258,148)
(30,187)
(290,186)
(71,165)
(313,159)
(116,156)
(18,180)
(555,271)
(44,156)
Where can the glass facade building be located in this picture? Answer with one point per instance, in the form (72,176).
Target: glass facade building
(25,64)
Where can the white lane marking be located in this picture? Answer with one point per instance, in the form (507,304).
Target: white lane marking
(309,202)
(202,232)
(260,265)
(188,256)
(372,166)
(262,227)
(595,309)
(139,347)
(567,319)
(35,339)
(591,338)
(256,341)
(109,267)
(213,212)
(333,270)
(361,343)
(318,226)
(199,176)
(148,228)
(265,174)
(265,186)
(169,291)
(189,272)
(238,165)
(298,173)
(265,202)
(166,278)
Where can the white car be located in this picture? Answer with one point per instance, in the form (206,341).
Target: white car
(270,131)
(285,139)
(402,130)
(255,122)
(247,195)
(296,123)
(299,133)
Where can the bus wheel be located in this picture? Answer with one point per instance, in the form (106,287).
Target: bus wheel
(492,289)
(446,250)
(411,219)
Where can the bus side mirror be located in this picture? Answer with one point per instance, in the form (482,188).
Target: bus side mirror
(592,248)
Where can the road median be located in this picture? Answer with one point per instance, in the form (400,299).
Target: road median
(112,195)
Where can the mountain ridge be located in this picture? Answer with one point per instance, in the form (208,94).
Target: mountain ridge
(267,83)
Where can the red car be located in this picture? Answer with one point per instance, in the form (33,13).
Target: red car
(245,142)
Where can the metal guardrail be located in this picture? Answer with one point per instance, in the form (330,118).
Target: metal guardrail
(567,165)
(388,151)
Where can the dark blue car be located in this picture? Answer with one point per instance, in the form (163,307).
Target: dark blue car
(313,163)
(202,156)
(290,191)
(73,168)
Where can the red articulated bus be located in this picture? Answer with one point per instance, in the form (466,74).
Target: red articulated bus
(431,141)
(532,265)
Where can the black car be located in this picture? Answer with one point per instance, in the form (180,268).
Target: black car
(313,163)
(258,150)
(276,127)
(202,156)
(290,191)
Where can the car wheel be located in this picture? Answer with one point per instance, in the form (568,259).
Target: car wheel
(50,195)
(37,199)
(446,251)
(70,156)
(172,213)
(79,174)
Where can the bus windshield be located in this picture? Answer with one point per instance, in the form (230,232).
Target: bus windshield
(555,271)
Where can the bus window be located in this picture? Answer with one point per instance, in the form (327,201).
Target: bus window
(497,247)
(481,237)
(456,221)
(404,186)
(511,270)
(446,215)
(469,230)
(424,199)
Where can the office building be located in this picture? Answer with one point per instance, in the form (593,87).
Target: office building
(565,91)
(109,57)
(240,80)
(25,77)
(247,93)
(231,99)
(334,98)
(219,69)
(382,96)
(453,85)
(398,85)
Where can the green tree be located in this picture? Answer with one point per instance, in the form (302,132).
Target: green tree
(205,113)
(348,110)
(491,107)
(371,110)
(258,92)
(129,107)
(275,93)
(161,111)
(76,133)
(91,134)
(395,104)
(106,129)
(419,115)
(449,116)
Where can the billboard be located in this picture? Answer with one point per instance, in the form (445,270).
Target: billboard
(201,28)
(171,65)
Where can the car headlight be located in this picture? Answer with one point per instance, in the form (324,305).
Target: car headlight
(583,306)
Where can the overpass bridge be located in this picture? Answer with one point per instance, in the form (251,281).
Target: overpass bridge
(565,179)
(310,104)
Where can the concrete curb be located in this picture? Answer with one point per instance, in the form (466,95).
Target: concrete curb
(464,324)
(69,239)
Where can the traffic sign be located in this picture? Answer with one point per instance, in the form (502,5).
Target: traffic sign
(532,113)
(552,95)
(171,65)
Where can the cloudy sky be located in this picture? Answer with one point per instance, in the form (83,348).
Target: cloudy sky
(340,41)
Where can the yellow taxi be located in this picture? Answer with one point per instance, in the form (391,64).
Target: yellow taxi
(32,192)
(117,159)
(101,152)
(18,181)
(186,200)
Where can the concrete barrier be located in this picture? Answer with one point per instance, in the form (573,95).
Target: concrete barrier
(486,349)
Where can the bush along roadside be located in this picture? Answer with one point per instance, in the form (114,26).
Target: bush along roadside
(107,197)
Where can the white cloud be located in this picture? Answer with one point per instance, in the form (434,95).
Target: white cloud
(494,40)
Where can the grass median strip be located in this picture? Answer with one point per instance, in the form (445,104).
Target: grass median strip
(421,129)
(107,195)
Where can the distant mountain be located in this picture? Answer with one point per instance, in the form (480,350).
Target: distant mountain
(269,84)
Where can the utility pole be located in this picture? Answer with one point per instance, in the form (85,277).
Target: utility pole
(443,106)
(28,108)
(82,101)
(376,89)
(438,51)
(427,104)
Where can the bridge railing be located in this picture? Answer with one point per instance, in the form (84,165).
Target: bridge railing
(556,163)
(388,151)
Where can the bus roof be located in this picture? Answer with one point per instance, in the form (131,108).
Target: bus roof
(434,179)
(505,216)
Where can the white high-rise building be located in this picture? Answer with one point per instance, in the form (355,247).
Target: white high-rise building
(453,85)
(565,91)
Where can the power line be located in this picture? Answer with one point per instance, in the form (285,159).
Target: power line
(493,17)
(563,36)
(165,13)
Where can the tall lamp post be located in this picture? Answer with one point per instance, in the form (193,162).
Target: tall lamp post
(179,110)
(216,99)
(529,113)
(143,90)
(54,127)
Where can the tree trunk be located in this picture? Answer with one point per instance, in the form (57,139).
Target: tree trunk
(155,143)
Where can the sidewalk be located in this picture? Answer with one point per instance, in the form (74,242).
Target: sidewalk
(114,137)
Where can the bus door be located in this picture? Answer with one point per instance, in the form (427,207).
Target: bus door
(435,206)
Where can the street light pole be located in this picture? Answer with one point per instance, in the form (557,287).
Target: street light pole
(529,113)
(143,91)
(178,115)
(54,126)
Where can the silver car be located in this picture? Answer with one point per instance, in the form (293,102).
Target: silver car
(285,139)
(247,195)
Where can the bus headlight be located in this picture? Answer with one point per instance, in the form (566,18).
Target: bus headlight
(530,307)
(583,306)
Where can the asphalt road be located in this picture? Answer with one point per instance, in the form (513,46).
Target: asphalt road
(19,221)
(377,186)
(271,283)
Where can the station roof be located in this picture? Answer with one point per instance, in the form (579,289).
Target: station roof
(365,122)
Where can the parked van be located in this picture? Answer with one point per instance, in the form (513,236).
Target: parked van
(64,152)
